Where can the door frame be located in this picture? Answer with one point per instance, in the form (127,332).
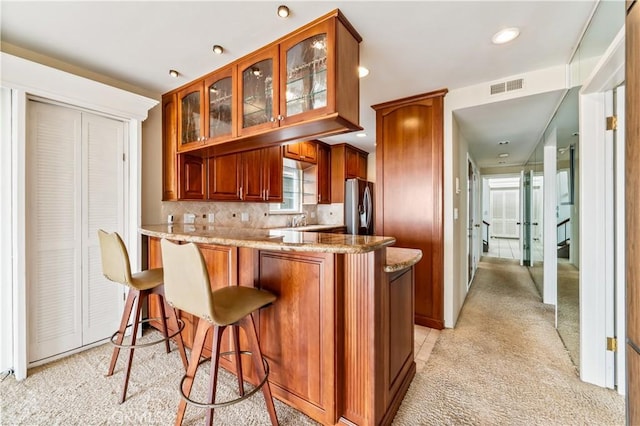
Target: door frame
(595,363)
(23,78)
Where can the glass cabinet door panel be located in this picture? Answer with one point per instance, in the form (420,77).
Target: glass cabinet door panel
(220,107)
(306,87)
(257,93)
(190,116)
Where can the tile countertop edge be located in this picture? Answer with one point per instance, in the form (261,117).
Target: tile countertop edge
(399,258)
(281,241)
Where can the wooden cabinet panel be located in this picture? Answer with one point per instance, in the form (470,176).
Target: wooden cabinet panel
(633,386)
(302,151)
(346,162)
(169,148)
(409,192)
(191,177)
(252,176)
(224,176)
(324,174)
(272,174)
(297,331)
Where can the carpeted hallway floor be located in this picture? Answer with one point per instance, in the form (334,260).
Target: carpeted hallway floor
(503,364)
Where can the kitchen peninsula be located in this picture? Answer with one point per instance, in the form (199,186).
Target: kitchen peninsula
(339,338)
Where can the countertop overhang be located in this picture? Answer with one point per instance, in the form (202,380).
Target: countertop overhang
(269,239)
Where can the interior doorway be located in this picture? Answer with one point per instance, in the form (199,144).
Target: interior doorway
(501,216)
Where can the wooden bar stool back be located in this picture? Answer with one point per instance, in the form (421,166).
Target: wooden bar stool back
(188,288)
(116,268)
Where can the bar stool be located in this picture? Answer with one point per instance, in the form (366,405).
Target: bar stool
(187,288)
(116,268)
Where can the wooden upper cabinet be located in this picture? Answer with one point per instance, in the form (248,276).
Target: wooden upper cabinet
(224,178)
(302,151)
(254,175)
(190,116)
(347,162)
(307,86)
(220,111)
(191,179)
(169,146)
(272,174)
(258,92)
(324,174)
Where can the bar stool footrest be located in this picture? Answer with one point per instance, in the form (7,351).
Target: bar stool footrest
(231,401)
(143,345)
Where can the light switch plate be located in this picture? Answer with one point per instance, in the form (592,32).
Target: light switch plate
(210,217)
(244,217)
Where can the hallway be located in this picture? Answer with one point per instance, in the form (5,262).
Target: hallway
(505,248)
(504,363)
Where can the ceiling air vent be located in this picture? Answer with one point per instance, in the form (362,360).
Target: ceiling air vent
(507,86)
(498,88)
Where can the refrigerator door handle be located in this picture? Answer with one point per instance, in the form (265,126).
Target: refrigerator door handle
(368,206)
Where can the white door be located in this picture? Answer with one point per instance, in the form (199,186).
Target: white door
(74,185)
(504,213)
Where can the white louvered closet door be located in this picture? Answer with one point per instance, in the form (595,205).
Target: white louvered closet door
(75,184)
(102,208)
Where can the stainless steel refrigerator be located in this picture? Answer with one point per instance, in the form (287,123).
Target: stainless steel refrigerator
(358,206)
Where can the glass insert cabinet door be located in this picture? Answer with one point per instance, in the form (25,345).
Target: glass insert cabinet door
(190,114)
(220,103)
(306,68)
(258,94)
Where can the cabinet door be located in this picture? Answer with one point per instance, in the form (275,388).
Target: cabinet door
(169,147)
(306,64)
(219,101)
(224,178)
(352,163)
(190,116)
(362,166)
(308,152)
(272,173)
(252,185)
(324,174)
(258,106)
(292,151)
(191,177)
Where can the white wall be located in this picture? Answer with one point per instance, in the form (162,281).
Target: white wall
(152,167)
(6,290)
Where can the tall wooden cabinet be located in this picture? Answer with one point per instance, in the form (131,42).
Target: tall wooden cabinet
(409,191)
(632,185)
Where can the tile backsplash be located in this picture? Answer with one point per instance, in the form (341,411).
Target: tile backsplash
(257,214)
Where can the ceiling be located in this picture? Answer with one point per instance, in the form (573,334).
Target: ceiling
(409,47)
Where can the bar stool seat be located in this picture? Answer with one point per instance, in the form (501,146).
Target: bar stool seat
(188,288)
(116,268)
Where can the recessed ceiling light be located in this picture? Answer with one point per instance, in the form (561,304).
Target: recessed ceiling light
(503,155)
(283,11)
(503,142)
(363,72)
(217,49)
(361,135)
(174,73)
(505,36)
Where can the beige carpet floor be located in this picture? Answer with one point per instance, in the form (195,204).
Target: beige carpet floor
(503,364)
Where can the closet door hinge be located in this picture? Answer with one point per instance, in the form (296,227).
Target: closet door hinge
(612,123)
(612,344)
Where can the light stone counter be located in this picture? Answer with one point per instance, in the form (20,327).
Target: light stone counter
(401,258)
(269,239)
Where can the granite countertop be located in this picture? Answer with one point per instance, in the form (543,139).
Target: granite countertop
(269,239)
(401,258)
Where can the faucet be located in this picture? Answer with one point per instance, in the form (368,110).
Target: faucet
(299,220)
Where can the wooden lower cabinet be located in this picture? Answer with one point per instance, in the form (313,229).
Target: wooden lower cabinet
(339,337)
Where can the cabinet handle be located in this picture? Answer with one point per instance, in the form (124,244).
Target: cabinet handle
(318,197)
(240,193)
(280,117)
(267,194)
(272,119)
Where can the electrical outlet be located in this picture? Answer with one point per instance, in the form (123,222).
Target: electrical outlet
(210,217)
(244,217)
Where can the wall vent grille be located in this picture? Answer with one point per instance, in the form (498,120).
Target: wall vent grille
(507,86)
(498,88)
